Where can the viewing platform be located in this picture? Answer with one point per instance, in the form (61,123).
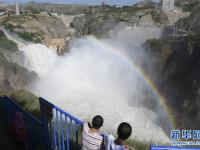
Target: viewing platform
(55,129)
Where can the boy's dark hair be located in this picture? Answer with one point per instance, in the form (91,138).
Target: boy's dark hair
(97,122)
(124,131)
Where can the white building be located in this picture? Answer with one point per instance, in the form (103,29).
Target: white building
(173,13)
(17,8)
(168,5)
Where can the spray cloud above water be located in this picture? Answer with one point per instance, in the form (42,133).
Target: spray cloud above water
(97,77)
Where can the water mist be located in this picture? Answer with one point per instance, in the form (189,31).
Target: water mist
(97,77)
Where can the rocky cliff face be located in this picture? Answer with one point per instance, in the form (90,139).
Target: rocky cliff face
(187,5)
(12,76)
(191,23)
(102,19)
(179,59)
(36,25)
(184,77)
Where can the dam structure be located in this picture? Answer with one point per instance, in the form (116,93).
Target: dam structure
(173,13)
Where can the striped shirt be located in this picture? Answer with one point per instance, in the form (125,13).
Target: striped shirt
(90,141)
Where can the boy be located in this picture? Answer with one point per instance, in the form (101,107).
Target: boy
(124,131)
(91,138)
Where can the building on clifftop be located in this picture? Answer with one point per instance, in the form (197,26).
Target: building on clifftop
(168,5)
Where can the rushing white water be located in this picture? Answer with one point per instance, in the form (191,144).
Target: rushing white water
(95,79)
(38,58)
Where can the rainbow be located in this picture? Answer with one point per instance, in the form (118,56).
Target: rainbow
(147,81)
(154,90)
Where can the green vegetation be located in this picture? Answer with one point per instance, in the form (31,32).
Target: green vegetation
(6,44)
(35,11)
(9,27)
(29,37)
(158,17)
(33,37)
(194,37)
(2,9)
(154,44)
(190,7)
(28,101)
(157,44)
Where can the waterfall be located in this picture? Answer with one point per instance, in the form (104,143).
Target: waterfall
(96,77)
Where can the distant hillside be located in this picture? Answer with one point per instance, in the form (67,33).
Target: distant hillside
(36,7)
(35,27)
(104,18)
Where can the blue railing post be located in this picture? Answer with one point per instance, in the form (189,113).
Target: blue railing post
(57,129)
(71,134)
(59,122)
(46,116)
(67,136)
(76,135)
(62,133)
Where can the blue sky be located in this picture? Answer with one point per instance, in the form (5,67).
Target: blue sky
(91,2)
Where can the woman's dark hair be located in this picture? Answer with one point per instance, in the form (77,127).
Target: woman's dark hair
(124,131)
(97,122)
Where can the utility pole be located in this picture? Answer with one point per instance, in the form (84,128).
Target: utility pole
(181,5)
(156,4)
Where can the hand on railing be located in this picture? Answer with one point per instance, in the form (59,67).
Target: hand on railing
(129,147)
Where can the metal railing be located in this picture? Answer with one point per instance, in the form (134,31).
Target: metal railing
(62,130)
(172,148)
(57,129)
(9,108)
